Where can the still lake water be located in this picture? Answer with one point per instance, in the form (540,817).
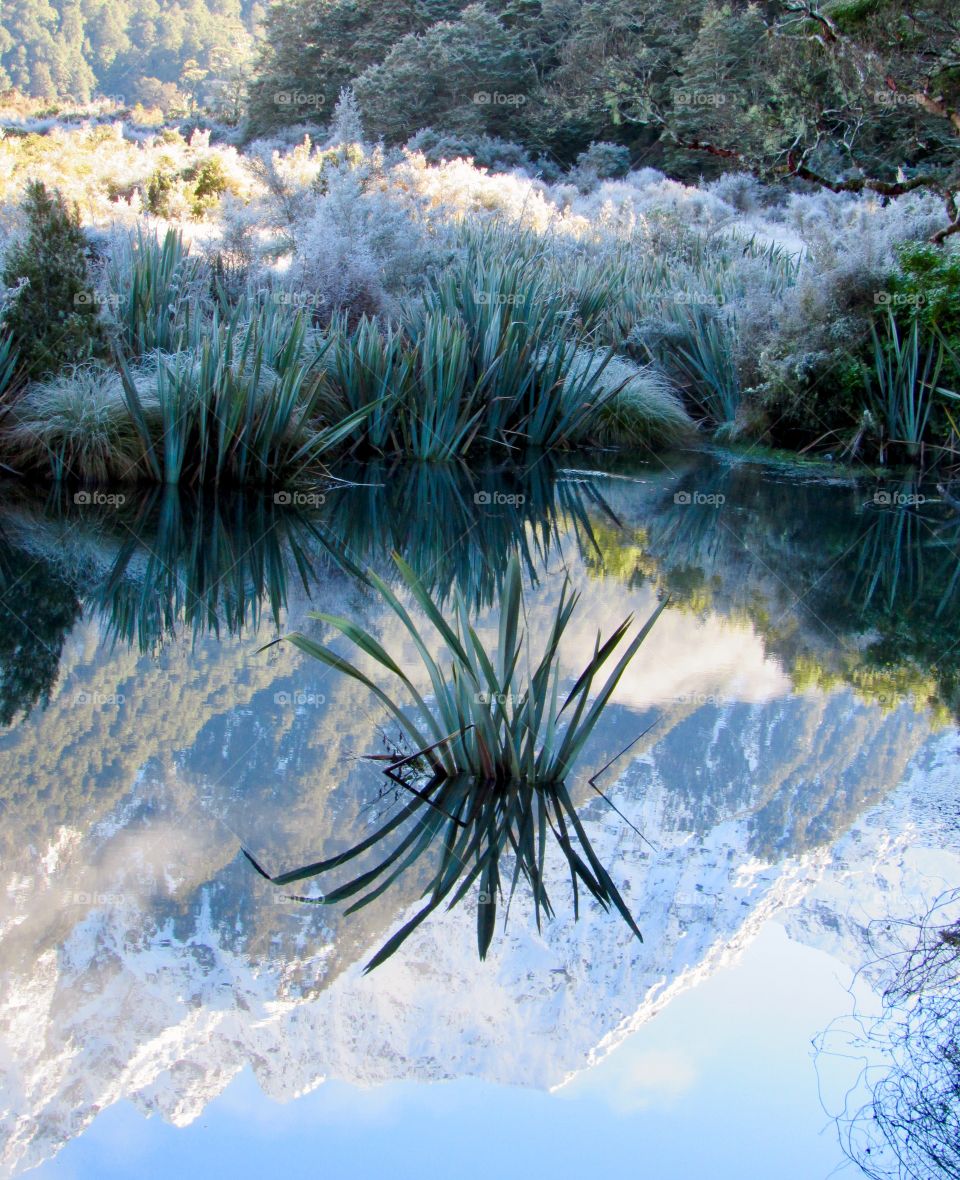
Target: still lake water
(788,801)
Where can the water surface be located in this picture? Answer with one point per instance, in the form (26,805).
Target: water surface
(788,784)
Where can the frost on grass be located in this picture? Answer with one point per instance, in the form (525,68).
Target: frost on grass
(764,286)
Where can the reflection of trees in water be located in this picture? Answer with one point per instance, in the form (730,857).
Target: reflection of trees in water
(909,1125)
(844,588)
(37,611)
(846,584)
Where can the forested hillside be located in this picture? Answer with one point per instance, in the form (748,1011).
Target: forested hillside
(838,87)
(151,51)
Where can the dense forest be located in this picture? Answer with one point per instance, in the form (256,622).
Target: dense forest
(149,51)
(849,88)
(846,92)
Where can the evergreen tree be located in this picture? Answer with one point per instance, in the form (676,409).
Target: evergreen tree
(467,75)
(53,319)
(311,49)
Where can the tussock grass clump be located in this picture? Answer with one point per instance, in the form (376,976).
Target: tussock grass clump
(644,406)
(697,348)
(77,424)
(245,406)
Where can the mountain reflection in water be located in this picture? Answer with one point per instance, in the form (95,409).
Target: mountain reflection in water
(796,687)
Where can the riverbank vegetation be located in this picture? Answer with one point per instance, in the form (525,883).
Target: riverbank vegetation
(178,309)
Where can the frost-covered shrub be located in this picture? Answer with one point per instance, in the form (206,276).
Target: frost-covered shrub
(740,190)
(816,337)
(346,127)
(486,151)
(360,246)
(458,190)
(600,161)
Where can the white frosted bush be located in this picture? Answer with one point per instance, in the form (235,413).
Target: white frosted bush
(740,190)
(459,190)
(361,245)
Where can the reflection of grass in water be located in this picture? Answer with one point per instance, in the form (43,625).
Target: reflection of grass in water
(202,562)
(202,568)
(905,558)
(500,720)
(472,825)
(456,527)
(495,747)
(218,562)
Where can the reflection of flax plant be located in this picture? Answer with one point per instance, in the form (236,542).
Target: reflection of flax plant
(203,564)
(497,719)
(444,522)
(493,752)
(903,559)
(472,824)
